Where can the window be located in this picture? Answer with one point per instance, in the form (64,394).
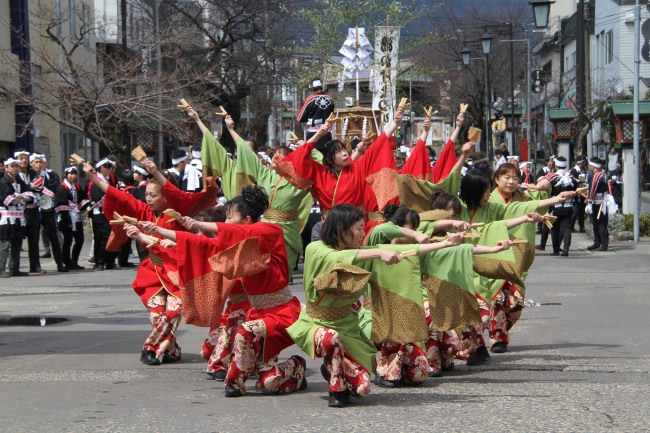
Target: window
(58,16)
(37,79)
(609,47)
(86,23)
(72,19)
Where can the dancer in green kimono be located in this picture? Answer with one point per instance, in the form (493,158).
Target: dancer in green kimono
(448,292)
(508,297)
(335,276)
(289,206)
(475,191)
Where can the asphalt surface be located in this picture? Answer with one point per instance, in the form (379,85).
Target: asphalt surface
(577,362)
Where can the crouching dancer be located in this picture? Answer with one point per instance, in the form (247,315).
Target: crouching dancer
(335,276)
(254,253)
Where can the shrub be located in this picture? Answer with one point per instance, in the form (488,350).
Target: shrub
(644,224)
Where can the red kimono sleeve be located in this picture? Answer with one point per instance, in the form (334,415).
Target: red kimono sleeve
(189,204)
(265,246)
(445,162)
(378,167)
(379,155)
(299,168)
(418,164)
(124,204)
(204,290)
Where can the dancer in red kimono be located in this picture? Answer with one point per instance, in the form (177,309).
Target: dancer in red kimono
(254,253)
(153,285)
(339,179)
(418,164)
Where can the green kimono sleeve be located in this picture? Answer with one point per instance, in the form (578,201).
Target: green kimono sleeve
(396,298)
(416,193)
(249,169)
(218,164)
(383,234)
(450,287)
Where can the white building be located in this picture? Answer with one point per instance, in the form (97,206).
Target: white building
(612,48)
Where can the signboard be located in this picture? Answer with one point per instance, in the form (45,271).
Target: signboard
(385,66)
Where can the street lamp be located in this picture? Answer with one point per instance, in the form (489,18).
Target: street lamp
(486,41)
(541,11)
(465,53)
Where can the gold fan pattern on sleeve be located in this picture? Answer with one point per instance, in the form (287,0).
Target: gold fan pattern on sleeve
(343,281)
(396,319)
(450,306)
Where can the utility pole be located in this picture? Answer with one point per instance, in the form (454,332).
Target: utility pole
(161,146)
(635,189)
(513,130)
(488,124)
(580,70)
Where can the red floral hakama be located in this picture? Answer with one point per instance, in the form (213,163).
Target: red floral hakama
(165,316)
(345,374)
(406,363)
(506,310)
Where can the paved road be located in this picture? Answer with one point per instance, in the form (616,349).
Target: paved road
(578,362)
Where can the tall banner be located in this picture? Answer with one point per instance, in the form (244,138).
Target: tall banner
(385,71)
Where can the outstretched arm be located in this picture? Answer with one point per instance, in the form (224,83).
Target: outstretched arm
(194,115)
(466,151)
(133,232)
(446,225)
(230,124)
(452,240)
(531,217)
(426,126)
(386,256)
(395,123)
(153,170)
(560,198)
(415,235)
(500,246)
(459,125)
(92,175)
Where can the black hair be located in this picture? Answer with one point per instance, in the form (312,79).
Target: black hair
(329,150)
(251,141)
(441,200)
(355,142)
(127,177)
(283,150)
(171,177)
(340,220)
(213,214)
(401,215)
(252,202)
(473,186)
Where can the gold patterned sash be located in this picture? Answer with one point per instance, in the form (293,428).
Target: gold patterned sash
(377,217)
(237,298)
(270,300)
(281,215)
(328,313)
